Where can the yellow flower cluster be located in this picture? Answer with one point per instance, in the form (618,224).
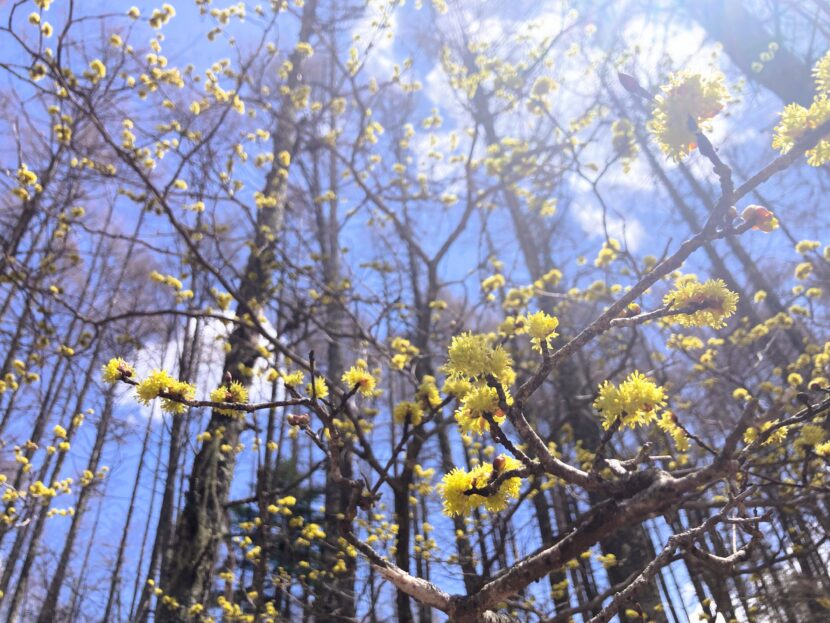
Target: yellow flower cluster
(608,253)
(474,356)
(479,400)
(668,425)
(282,506)
(160,382)
(117,369)
(472,359)
(318,388)
(358,376)
(408,412)
(161,17)
(455,485)
(796,119)
(702,304)
(492,283)
(230,392)
(542,329)
(687,97)
(776,438)
(636,401)
(404,352)
(97,70)
(427,395)
(291,379)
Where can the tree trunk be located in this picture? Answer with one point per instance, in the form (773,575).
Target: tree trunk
(201,525)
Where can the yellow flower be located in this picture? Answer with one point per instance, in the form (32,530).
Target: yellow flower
(231,392)
(821,74)
(319,389)
(292,379)
(542,86)
(427,394)
(608,253)
(473,355)
(117,369)
(796,120)
(455,485)
(667,424)
(358,376)
(636,401)
(687,96)
(304,48)
(805,246)
(607,560)
(479,400)
(405,352)
(702,304)
(25,176)
(99,70)
(803,270)
(811,435)
(542,328)
(408,411)
(160,382)
(493,282)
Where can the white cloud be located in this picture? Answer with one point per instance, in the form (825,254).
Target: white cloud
(381,23)
(627,230)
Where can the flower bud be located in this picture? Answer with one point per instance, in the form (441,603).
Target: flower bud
(298,419)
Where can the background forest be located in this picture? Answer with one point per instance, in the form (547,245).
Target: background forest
(388,310)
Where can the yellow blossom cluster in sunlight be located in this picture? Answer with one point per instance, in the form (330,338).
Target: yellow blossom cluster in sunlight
(318,388)
(359,376)
(230,392)
(542,329)
(455,485)
(706,304)
(479,400)
(117,369)
(473,364)
(160,382)
(474,356)
(796,119)
(636,401)
(687,101)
